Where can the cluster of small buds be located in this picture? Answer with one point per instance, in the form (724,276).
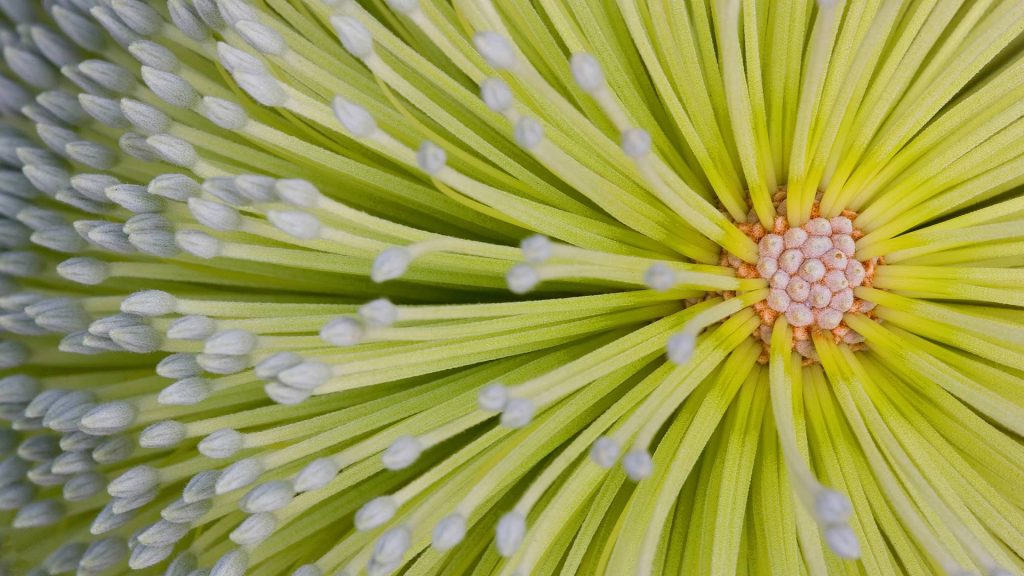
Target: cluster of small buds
(812,272)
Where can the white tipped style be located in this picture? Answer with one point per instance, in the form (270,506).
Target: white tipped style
(390,264)
(842,540)
(681,346)
(449,532)
(297,192)
(518,412)
(493,397)
(353,35)
(605,452)
(496,94)
(522,278)
(375,513)
(529,133)
(214,214)
(308,375)
(343,331)
(638,464)
(431,158)
(402,453)
(496,49)
(536,249)
(510,533)
(636,142)
(586,71)
(262,87)
(392,545)
(223,443)
(832,507)
(660,277)
(356,119)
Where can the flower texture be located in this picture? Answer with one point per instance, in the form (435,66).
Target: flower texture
(509,287)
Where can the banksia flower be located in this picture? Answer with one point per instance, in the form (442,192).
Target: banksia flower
(513,288)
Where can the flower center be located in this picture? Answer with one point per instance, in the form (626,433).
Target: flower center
(812,271)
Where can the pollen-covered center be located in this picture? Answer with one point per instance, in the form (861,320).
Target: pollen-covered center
(812,271)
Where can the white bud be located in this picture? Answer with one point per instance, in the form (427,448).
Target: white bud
(390,264)
(83,486)
(261,37)
(108,520)
(18,388)
(214,214)
(112,450)
(91,154)
(108,418)
(518,412)
(586,71)
(402,453)
(197,243)
(496,94)
(39,513)
(353,35)
(113,77)
(82,30)
(254,529)
(201,486)
(286,395)
(223,113)
(315,475)
(182,512)
(536,249)
(135,481)
(493,397)
(150,303)
(12,354)
(101,555)
(233,342)
(103,110)
(30,67)
(174,186)
(134,198)
(138,16)
(298,192)
(154,55)
(343,331)
(239,475)
(308,375)
(268,497)
(638,464)
(235,60)
(233,563)
(179,365)
(174,150)
(161,435)
(144,118)
(636,142)
(605,451)
(223,443)
(528,132)
(496,49)
(522,278)
(375,513)
(162,533)
(222,363)
(191,327)
(262,87)
(256,188)
(380,312)
(141,339)
(185,392)
(273,365)
(295,223)
(510,533)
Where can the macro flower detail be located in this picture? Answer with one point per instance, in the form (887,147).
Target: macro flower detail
(468,287)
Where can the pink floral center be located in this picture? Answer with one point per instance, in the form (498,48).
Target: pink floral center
(812,272)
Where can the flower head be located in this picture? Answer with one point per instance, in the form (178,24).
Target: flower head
(511,288)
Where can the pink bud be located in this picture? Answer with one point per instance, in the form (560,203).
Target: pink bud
(795,237)
(779,280)
(820,296)
(816,246)
(836,280)
(778,300)
(829,318)
(855,273)
(818,227)
(845,244)
(790,261)
(835,260)
(841,225)
(771,245)
(766,266)
(799,315)
(812,270)
(798,289)
(842,300)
